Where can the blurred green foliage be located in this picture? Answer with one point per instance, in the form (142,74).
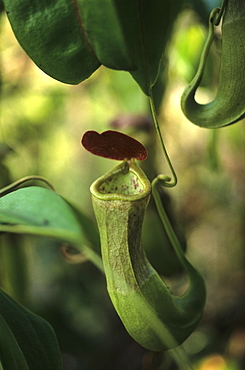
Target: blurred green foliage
(41,124)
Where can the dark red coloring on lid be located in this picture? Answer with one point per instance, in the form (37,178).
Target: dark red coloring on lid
(113,145)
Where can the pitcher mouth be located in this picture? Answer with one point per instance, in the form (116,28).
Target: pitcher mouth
(126,181)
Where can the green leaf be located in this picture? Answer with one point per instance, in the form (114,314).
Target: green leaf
(38,206)
(27,342)
(40,211)
(51,33)
(130,35)
(10,352)
(147,25)
(102,23)
(69,40)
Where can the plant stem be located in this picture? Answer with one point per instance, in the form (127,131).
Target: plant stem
(166,179)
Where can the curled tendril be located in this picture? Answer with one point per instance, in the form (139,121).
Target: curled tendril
(167,181)
(72,254)
(217,13)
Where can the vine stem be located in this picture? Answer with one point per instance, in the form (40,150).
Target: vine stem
(165,221)
(181,358)
(220,13)
(166,180)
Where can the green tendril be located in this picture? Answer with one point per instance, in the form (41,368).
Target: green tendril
(161,180)
(220,11)
(166,180)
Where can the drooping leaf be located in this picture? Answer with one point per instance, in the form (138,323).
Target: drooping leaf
(69,40)
(38,206)
(51,33)
(130,35)
(147,25)
(40,211)
(102,24)
(27,342)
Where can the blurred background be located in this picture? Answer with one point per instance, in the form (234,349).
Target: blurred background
(41,125)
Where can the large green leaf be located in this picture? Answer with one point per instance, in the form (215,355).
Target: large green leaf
(147,25)
(40,211)
(130,35)
(51,33)
(27,342)
(101,22)
(70,39)
(38,206)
